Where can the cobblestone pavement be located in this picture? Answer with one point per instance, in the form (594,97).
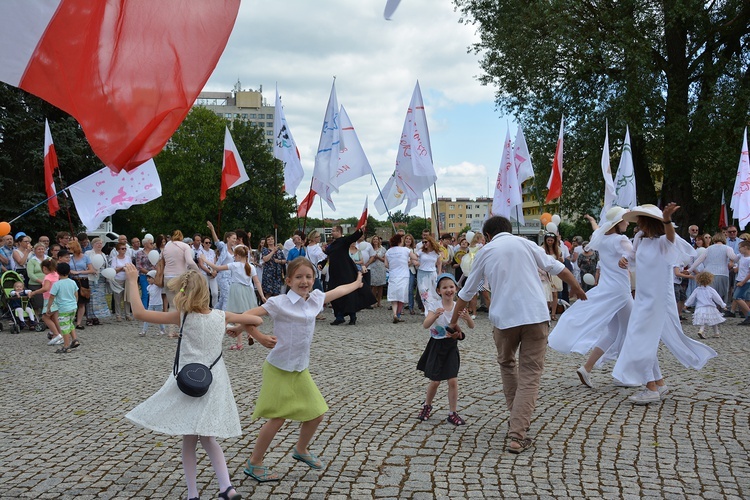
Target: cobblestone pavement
(63,433)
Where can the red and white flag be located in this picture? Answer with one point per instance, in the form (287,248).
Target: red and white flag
(414,172)
(554,184)
(306,204)
(285,149)
(128,71)
(104,192)
(363,217)
(232,169)
(740,204)
(507,191)
(50,165)
(723,216)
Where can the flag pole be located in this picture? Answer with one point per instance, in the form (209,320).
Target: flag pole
(38,205)
(518,224)
(387,210)
(67,205)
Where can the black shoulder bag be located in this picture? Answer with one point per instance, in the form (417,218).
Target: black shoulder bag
(195,378)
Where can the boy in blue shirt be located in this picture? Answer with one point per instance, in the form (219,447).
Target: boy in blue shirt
(64,293)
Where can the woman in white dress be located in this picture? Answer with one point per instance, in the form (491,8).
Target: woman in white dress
(602,320)
(397,262)
(654,315)
(428,266)
(172,412)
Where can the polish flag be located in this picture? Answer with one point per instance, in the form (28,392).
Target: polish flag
(363,217)
(232,170)
(306,204)
(128,71)
(554,184)
(50,165)
(723,216)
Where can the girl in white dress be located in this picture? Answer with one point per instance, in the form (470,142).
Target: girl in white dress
(172,412)
(241,289)
(705,300)
(602,320)
(654,315)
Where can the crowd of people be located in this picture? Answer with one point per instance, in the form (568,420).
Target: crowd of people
(204,284)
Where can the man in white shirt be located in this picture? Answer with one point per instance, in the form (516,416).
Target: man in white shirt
(518,313)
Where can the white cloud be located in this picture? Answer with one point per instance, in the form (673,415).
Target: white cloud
(302,45)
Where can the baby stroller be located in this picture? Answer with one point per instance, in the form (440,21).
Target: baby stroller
(7,280)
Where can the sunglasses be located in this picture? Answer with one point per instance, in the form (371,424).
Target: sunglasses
(206,242)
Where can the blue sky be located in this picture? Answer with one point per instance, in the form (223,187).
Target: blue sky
(376,64)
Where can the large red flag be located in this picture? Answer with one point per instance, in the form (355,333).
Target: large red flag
(232,170)
(50,165)
(554,184)
(128,71)
(306,204)
(363,217)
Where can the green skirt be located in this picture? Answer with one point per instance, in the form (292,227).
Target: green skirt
(288,395)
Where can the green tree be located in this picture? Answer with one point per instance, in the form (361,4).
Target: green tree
(22,118)
(190,172)
(675,71)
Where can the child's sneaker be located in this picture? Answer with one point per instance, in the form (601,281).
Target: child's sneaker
(142,334)
(454,419)
(57,340)
(424,414)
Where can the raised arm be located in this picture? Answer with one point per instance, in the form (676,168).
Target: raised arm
(213,231)
(139,312)
(671,208)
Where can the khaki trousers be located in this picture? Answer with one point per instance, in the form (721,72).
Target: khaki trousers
(521,377)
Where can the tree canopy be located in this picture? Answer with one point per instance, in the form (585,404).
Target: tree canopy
(677,72)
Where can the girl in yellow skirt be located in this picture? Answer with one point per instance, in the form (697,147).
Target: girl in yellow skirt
(288,391)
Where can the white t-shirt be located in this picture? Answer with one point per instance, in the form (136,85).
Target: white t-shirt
(154,295)
(366,250)
(428,261)
(398,261)
(238,274)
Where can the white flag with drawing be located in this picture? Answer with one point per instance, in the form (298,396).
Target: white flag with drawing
(104,192)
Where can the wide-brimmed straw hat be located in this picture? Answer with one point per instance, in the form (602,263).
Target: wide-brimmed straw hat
(646,211)
(614,216)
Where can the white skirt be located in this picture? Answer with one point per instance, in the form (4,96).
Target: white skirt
(707,316)
(398,289)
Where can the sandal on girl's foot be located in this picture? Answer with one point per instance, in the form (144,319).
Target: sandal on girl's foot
(80,327)
(225,494)
(260,473)
(454,419)
(95,322)
(89,322)
(74,344)
(395,319)
(425,412)
(523,445)
(62,350)
(700,334)
(309,458)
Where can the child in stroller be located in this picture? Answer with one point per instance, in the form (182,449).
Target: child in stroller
(18,302)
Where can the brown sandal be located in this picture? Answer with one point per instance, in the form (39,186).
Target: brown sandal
(523,445)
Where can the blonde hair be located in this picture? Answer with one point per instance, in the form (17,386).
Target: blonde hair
(704,278)
(177,235)
(191,292)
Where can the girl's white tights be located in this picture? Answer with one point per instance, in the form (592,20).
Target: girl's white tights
(190,462)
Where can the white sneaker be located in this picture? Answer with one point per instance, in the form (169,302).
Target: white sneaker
(142,334)
(663,391)
(645,397)
(57,340)
(585,377)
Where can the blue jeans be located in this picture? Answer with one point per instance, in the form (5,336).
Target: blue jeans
(143,283)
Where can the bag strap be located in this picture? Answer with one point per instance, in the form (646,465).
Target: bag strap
(175,368)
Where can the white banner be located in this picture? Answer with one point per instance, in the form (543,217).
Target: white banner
(327,157)
(625,178)
(104,192)
(741,193)
(285,149)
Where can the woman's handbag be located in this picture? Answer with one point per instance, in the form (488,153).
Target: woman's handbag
(84,291)
(195,378)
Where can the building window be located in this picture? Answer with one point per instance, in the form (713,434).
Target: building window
(477,206)
(269,132)
(227,115)
(452,207)
(460,206)
(269,117)
(451,225)
(451,216)
(269,124)
(460,216)
(468,216)
(244,116)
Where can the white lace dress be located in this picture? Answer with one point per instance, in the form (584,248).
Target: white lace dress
(169,411)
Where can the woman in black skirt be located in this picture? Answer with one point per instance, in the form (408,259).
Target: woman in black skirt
(440,360)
